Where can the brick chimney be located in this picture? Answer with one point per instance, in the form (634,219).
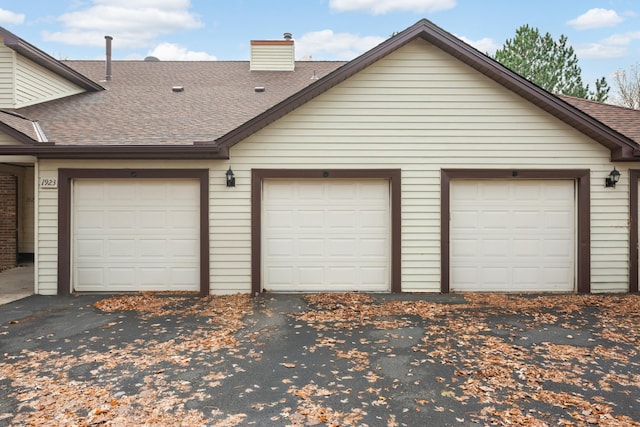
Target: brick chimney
(273,55)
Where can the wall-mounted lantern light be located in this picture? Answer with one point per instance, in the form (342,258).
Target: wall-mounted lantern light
(231,179)
(612,179)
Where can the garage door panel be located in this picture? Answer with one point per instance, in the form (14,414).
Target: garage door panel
(120,248)
(497,276)
(307,219)
(91,248)
(342,191)
(183,248)
(495,248)
(89,220)
(310,277)
(526,248)
(558,220)
(152,193)
(342,248)
(371,221)
(150,248)
(280,247)
(121,277)
(185,192)
(89,193)
(525,243)
(526,219)
(557,276)
(90,277)
(341,220)
(278,276)
(131,235)
(463,248)
(374,248)
(278,219)
(496,220)
(183,278)
(180,220)
(342,277)
(337,235)
(558,248)
(124,220)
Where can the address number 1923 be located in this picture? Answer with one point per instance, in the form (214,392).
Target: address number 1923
(48,183)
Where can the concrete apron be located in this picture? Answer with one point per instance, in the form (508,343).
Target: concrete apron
(16,283)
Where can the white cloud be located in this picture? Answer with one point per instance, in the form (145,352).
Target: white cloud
(622,39)
(596,18)
(379,7)
(176,52)
(600,51)
(485,45)
(327,45)
(132,23)
(615,46)
(8,17)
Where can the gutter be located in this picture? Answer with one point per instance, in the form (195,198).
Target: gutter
(146,152)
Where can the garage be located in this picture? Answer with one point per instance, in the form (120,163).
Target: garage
(326,235)
(136,235)
(513,235)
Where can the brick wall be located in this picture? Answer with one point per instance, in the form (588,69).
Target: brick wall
(8,217)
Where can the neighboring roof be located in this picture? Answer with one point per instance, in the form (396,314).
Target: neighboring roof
(140,106)
(39,57)
(20,127)
(621,119)
(621,146)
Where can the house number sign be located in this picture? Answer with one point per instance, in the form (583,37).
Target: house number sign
(48,182)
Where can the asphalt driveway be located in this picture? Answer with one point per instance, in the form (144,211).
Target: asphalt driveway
(321,359)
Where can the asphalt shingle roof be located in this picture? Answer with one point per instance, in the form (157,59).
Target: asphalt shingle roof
(139,106)
(623,120)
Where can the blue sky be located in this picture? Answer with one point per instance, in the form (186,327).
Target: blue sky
(604,33)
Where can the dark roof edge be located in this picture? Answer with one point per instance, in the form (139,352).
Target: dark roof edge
(450,44)
(137,152)
(39,57)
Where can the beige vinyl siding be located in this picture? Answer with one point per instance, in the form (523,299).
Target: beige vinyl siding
(35,84)
(418,110)
(276,57)
(7,140)
(421,110)
(7,76)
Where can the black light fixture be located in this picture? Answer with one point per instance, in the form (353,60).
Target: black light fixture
(231,179)
(612,179)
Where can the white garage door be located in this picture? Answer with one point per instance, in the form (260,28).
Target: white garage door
(136,235)
(326,235)
(512,236)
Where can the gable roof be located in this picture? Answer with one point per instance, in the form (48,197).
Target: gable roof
(43,59)
(141,116)
(621,146)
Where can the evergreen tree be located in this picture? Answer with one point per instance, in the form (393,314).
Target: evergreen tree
(551,64)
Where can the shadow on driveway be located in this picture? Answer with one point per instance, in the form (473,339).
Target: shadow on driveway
(321,359)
